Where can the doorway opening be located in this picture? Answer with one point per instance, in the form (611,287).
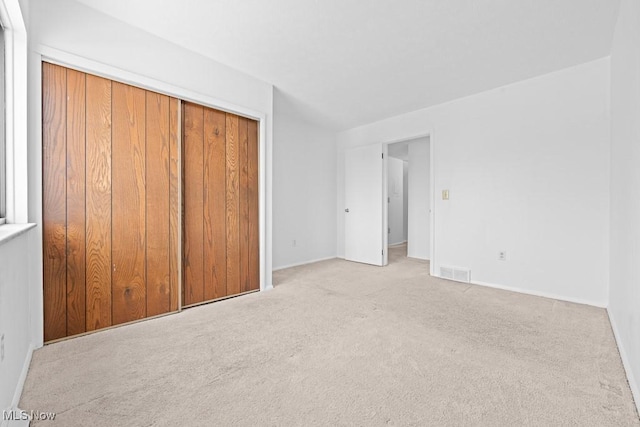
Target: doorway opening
(368,192)
(408,186)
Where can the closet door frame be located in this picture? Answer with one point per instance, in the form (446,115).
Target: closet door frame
(79,63)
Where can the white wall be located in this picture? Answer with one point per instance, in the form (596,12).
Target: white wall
(624,280)
(418,243)
(15,315)
(395,205)
(304,182)
(75,28)
(527,166)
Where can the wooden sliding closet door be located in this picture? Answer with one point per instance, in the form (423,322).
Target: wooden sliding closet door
(110,202)
(221,240)
(97,200)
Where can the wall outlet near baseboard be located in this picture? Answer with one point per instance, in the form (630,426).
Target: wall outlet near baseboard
(502,255)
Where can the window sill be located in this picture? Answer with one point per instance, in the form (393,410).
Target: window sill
(10,231)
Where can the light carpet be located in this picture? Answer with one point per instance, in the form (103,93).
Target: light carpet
(340,343)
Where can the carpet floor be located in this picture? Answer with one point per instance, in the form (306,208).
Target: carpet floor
(340,343)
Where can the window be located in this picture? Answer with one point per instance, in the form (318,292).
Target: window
(14,176)
(3,149)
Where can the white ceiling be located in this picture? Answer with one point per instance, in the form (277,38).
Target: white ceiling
(344,63)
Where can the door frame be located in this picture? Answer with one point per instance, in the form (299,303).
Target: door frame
(45,53)
(432,202)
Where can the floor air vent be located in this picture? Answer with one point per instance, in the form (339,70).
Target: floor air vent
(456,273)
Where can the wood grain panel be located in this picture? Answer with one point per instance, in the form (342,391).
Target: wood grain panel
(54,95)
(157,204)
(215,244)
(76,226)
(243,203)
(128,204)
(175,257)
(253,196)
(111,202)
(193,265)
(233,206)
(98,203)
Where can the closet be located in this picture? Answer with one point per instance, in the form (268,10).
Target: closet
(220,160)
(149,203)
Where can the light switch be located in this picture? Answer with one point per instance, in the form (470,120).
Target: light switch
(445,194)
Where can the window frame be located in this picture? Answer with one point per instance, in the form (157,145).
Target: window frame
(14,155)
(3,136)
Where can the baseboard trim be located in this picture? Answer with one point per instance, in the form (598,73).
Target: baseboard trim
(626,363)
(17,394)
(599,304)
(303,263)
(391,245)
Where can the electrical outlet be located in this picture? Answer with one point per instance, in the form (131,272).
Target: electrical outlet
(502,255)
(294,243)
(1,347)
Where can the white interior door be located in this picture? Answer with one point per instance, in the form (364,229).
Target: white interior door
(364,205)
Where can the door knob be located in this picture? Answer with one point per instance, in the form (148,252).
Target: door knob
(347,210)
